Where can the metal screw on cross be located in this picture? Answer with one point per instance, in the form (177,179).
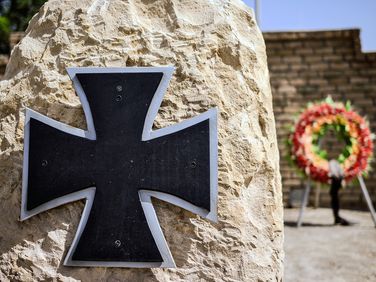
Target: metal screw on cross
(118,164)
(119,88)
(119,98)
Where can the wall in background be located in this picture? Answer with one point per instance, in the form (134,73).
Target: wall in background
(308,66)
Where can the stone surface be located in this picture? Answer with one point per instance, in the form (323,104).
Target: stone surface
(220,60)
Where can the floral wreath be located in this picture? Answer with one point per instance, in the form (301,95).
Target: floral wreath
(312,125)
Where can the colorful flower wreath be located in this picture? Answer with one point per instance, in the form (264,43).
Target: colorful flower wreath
(312,125)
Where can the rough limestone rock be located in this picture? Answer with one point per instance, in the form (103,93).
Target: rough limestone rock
(220,60)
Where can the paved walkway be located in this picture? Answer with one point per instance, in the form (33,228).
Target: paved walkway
(320,251)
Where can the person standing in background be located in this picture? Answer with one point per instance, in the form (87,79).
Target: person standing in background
(336,176)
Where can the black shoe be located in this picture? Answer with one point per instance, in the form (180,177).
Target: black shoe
(341,221)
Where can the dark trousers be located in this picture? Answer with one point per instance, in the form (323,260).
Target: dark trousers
(334,188)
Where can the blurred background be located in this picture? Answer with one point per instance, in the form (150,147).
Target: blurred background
(15,16)
(315,48)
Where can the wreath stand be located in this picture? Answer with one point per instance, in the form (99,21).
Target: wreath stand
(308,189)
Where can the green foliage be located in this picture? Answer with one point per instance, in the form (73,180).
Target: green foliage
(348,106)
(15,16)
(4,33)
(329,100)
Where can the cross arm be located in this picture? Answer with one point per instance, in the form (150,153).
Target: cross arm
(183,164)
(58,163)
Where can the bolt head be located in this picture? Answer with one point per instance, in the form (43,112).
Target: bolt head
(117,243)
(119,98)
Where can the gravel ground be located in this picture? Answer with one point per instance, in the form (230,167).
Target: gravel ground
(320,251)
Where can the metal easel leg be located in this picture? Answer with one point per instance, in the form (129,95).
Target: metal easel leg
(317,195)
(368,198)
(304,202)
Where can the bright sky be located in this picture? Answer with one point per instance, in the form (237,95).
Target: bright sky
(290,15)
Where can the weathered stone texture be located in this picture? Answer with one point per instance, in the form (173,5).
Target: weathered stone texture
(220,60)
(308,66)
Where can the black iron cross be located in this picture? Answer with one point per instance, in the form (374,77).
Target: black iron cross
(118,164)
